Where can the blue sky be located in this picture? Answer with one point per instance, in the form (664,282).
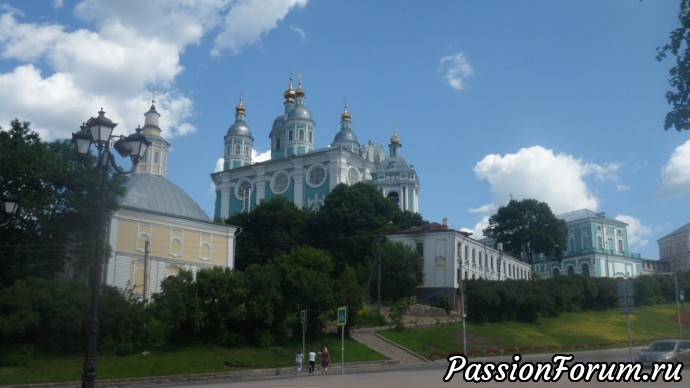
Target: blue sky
(561,101)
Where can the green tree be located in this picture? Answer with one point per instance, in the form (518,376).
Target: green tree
(306,282)
(271,229)
(528,226)
(352,221)
(402,272)
(679,96)
(58,210)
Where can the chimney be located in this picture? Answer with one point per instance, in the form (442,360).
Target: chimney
(445,222)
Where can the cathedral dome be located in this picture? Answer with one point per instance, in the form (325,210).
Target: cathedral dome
(345,135)
(240,128)
(278,124)
(154,193)
(299,112)
(393,163)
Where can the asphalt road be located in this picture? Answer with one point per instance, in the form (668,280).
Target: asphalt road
(432,375)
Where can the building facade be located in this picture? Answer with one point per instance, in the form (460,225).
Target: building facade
(674,250)
(300,171)
(450,255)
(158,229)
(597,247)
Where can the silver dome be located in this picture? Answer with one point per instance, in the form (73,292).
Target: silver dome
(393,163)
(345,135)
(278,124)
(154,193)
(240,128)
(299,112)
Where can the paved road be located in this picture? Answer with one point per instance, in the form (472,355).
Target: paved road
(427,376)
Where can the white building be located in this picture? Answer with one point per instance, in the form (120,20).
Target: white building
(451,255)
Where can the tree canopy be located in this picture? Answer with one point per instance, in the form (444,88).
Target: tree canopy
(528,226)
(58,211)
(679,47)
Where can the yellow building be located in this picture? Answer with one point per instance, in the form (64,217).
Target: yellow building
(159,229)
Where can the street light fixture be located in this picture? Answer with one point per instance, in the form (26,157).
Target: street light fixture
(10,206)
(98,131)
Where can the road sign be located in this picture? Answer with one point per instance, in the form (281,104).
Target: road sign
(626,301)
(303,316)
(342,316)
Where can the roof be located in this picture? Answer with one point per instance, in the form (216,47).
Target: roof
(586,214)
(426,228)
(154,193)
(683,229)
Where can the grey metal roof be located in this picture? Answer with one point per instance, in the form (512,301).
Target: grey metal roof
(240,127)
(298,112)
(393,163)
(345,135)
(154,193)
(583,214)
(683,229)
(278,124)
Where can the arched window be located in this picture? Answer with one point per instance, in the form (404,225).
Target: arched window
(556,272)
(585,269)
(571,270)
(301,134)
(394,197)
(290,135)
(238,149)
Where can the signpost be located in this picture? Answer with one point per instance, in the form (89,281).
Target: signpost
(626,302)
(342,321)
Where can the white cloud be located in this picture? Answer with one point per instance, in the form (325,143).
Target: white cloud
(536,172)
(110,66)
(300,32)
(455,70)
(638,234)
(260,157)
(675,175)
(248,20)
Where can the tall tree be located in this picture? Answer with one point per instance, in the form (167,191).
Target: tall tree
(59,203)
(679,96)
(404,271)
(353,220)
(271,229)
(528,226)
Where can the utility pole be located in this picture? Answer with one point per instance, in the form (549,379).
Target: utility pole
(378,260)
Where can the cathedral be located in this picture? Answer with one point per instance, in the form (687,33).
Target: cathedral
(302,173)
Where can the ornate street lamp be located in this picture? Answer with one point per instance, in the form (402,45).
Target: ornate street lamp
(98,131)
(10,206)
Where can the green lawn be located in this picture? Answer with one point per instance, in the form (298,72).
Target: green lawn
(175,361)
(569,331)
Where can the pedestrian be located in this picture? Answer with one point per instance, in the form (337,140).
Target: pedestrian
(312,360)
(298,359)
(325,360)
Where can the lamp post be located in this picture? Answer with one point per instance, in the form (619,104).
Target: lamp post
(378,264)
(98,131)
(10,206)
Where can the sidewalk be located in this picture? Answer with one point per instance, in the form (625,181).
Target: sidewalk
(396,352)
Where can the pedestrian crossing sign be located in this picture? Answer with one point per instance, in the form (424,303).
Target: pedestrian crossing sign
(342,316)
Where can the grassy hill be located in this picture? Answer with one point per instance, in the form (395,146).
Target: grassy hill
(569,331)
(590,330)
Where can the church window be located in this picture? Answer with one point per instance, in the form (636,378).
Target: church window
(156,157)
(290,135)
(278,145)
(353,176)
(227,150)
(301,134)
(394,197)
(246,150)
(420,248)
(311,136)
(243,192)
(176,242)
(316,175)
(238,149)
(279,182)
